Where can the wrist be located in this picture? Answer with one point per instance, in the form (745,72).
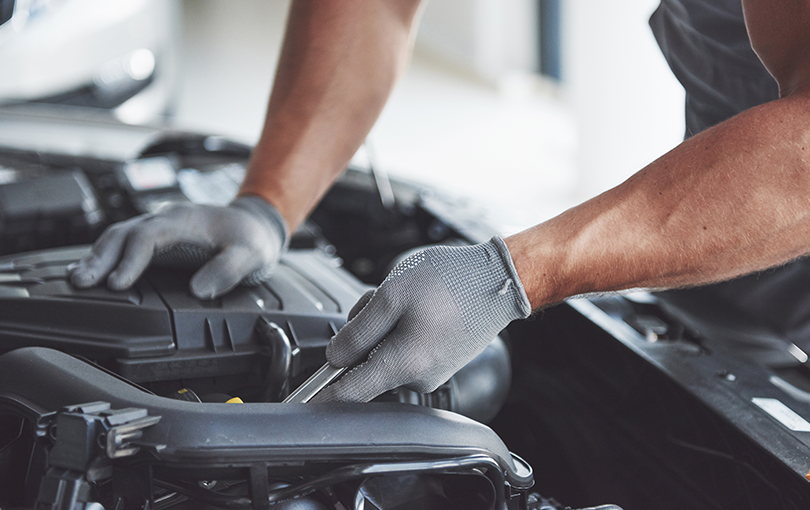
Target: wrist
(534,267)
(265,212)
(524,306)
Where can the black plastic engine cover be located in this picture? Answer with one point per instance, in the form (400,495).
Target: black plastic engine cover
(56,208)
(202,440)
(157,331)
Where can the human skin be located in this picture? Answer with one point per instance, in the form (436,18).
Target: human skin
(729,201)
(338,65)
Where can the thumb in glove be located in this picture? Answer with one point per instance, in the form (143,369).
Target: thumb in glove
(435,312)
(240,243)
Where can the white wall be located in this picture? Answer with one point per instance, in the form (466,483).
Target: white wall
(628,106)
(228,58)
(618,108)
(489,37)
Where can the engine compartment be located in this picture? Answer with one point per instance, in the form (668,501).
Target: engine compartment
(123,434)
(653,401)
(162,371)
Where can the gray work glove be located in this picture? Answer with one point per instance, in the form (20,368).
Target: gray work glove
(240,243)
(436,311)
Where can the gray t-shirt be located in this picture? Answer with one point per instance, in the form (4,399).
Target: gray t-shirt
(707,47)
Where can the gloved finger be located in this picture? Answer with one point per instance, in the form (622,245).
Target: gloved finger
(365,330)
(364,382)
(361,303)
(103,256)
(223,272)
(137,254)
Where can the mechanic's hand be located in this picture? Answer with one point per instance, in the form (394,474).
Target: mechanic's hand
(434,313)
(240,243)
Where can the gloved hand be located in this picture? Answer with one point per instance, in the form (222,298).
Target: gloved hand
(240,243)
(435,312)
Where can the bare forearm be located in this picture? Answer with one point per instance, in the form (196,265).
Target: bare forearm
(338,65)
(732,200)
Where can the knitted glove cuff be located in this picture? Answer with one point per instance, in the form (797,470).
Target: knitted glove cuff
(482,281)
(264,210)
(522,301)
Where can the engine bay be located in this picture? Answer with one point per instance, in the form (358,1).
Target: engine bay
(150,398)
(188,390)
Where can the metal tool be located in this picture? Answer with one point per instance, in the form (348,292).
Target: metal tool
(381,179)
(317,381)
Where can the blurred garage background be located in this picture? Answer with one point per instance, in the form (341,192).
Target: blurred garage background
(533,105)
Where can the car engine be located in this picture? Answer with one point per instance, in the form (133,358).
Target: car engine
(152,399)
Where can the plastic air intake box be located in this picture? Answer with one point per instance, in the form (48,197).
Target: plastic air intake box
(157,331)
(54,209)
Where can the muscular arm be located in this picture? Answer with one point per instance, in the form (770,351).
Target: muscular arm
(729,201)
(338,65)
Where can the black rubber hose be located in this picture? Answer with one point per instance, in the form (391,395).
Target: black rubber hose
(275,340)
